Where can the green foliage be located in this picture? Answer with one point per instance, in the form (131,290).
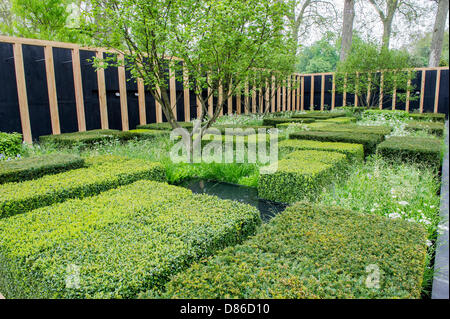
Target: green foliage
(165,126)
(319,115)
(37,166)
(340,120)
(300,175)
(10,144)
(370,129)
(434,117)
(420,50)
(369,141)
(253,128)
(276,120)
(313,252)
(436,128)
(124,241)
(321,56)
(412,149)
(105,172)
(354,152)
(361,71)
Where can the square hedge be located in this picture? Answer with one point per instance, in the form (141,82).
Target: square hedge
(380,130)
(319,115)
(434,117)
(412,149)
(275,120)
(313,252)
(435,128)
(165,126)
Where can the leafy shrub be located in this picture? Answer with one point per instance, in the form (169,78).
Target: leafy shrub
(223,127)
(354,152)
(302,174)
(165,126)
(339,120)
(313,252)
(369,141)
(435,117)
(381,130)
(37,166)
(88,137)
(105,172)
(412,149)
(319,115)
(435,128)
(124,241)
(276,120)
(10,144)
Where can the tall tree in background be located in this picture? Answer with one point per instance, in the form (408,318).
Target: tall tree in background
(438,33)
(5,15)
(347,29)
(386,10)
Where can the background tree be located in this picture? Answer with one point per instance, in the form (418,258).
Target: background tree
(347,28)
(321,56)
(438,33)
(419,49)
(5,15)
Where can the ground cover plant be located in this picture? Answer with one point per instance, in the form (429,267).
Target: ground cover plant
(10,145)
(154,229)
(313,251)
(435,128)
(102,173)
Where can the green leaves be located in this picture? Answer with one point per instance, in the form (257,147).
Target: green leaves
(10,144)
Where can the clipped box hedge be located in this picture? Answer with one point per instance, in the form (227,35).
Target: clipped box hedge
(165,126)
(436,128)
(412,149)
(274,121)
(340,120)
(380,130)
(301,175)
(124,241)
(87,137)
(222,128)
(354,152)
(105,172)
(435,117)
(10,144)
(37,166)
(369,141)
(319,115)
(311,252)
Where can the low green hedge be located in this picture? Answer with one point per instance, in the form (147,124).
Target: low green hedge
(412,149)
(435,128)
(124,241)
(354,128)
(274,121)
(435,117)
(301,175)
(354,152)
(319,115)
(165,126)
(37,166)
(105,172)
(223,127)
(310,252)
(87,137)
(369,141)
(340,120)
(10,144)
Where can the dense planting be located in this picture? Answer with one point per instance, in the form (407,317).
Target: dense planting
(354,152)
(124,241)
(353,128)
(435,117)
(340,120)
(435,128)
(314,252)
(104,173)
(165,126)
(88,137)
(10,144)
(319,115)
(301,175)
(274,121)
(370,141)
(37,166)
(412,149)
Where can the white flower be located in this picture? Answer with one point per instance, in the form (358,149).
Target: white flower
(403,203)
(429,243)
(426,221)
(392,191)
(419,210)
(372,210)
(394,215)
(432,206)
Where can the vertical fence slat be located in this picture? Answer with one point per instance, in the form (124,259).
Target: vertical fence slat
(394,96)
(173,92)
(266,97)
(344,94)
(283,95)
(273,94)
(293,91)
(368,89)
(238,101)
(289,105)
(408,92)
(333,92)
(298,93)
(246,98)
(422,91)
(186,96)
(279,98)
(102,93)
(230,99)
(254,97)
(123,95)
(311,97)
(199,107)
(141,102)
(51,88)
(322,93)
(78,87)
(158,109)
(220,99)
(22,93)
(302,106)
(436,92)
(355,101)
(381,91)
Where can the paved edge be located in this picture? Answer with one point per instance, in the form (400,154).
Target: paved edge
(440,280)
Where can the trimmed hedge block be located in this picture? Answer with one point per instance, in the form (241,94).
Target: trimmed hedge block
(302,174)
(435,117)
(354,152)
(105,172)
(319,115)
(254,128)
(369,141)
(310,252)
(88,137)
(37,166)
(435,128)
(10,144)
(412,149)
(165,126)
(119,243)
(275,120)
(339,120)
(380,130)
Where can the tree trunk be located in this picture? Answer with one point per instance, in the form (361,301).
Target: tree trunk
(438,34)
(347,29)
(387,28)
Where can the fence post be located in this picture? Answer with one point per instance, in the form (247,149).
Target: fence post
(173,91)
(78,87)
(187,104)
(322,92)
(311,97)
(102,93)
(422,91)
(123,94)
(408,92)
(141,101)
(302,106)
(273,94)
(333,92)
(381,90)
(436,93)
(51,88)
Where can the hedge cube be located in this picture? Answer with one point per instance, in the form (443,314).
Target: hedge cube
(436,128)
(435,117)
(105,172)
(275,120)
(301,175)
(10,144)
(37,166)
(87,138)
(165,126)
(119,243)
(354,152)
(354,128)
(314,252)
(319,115)
(412,149)
(340,120)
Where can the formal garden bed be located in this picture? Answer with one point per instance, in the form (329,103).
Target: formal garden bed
(361,188)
